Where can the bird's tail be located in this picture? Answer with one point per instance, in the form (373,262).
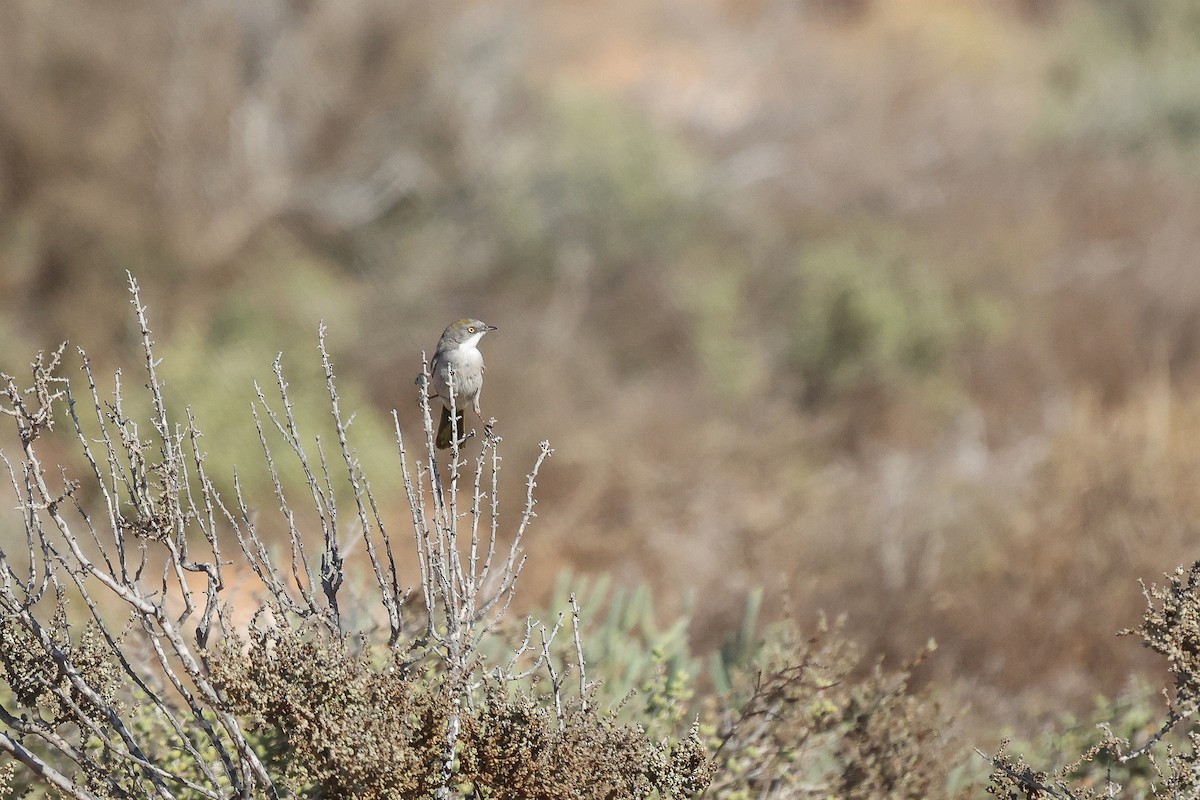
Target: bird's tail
(446,429)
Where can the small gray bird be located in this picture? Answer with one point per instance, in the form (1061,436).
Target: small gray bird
(457,351)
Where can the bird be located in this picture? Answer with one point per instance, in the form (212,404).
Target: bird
(457,352)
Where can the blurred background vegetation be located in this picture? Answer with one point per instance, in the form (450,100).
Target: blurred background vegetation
(885,308)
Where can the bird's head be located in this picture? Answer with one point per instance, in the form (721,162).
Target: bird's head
(466,332)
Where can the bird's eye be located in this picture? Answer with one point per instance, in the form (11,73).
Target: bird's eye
(471,329)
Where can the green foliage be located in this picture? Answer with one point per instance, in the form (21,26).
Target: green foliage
(784,714)
(213,364)
(1126,79)
(166,746)
(803,718)
(597,175)
(712,288)
(866,311)
(1132,746)
(624,632)
(1133,715)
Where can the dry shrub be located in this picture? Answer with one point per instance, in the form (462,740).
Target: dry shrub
(514,748)
(341,723)
(1163,763)
(343,727)
(38,682)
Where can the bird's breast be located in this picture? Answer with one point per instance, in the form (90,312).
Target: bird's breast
(467,363)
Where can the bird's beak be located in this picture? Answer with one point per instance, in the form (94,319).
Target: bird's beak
(491,327)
